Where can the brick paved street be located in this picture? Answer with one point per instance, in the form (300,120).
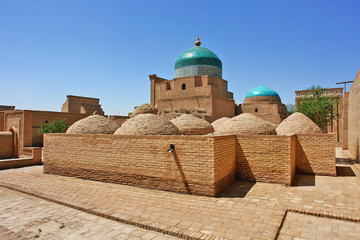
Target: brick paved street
(246,211)
(21,217)
(301,226)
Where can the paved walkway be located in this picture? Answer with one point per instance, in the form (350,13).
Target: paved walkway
(246,211)
(24,217)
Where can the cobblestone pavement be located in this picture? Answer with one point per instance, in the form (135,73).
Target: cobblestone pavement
(23,217)
(246,211)
(300,226)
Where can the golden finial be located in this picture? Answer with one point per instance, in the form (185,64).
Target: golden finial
(197,43)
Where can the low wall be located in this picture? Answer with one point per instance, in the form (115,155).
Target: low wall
(265,158)
(201,165)
(315,154)
(6,145)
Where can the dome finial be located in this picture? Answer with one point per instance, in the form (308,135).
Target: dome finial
(197,43)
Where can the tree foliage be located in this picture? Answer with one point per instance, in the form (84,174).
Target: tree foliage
(319,108)
(56,126)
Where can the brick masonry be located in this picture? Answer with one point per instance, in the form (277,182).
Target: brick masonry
(144,160)
(265,158)
(2,121)
(315,154)
(354,118)
(201,165)
(6,145)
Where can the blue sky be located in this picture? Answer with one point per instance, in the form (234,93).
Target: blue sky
(106,49)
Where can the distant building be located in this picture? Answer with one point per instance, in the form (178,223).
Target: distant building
(265,103)
(337,94)
(84,105)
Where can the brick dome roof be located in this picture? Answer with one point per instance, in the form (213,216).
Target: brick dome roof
(246,123)
(94,124)
(217,123)
(188,124)
(297,123)
(147,124)
(144,108)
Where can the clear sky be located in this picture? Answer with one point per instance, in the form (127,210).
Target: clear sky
(106,49)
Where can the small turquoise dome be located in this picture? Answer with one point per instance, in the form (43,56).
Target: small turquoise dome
(198,56)
(262,91)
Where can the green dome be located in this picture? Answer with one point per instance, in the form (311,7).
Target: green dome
(262,91)
(198,56)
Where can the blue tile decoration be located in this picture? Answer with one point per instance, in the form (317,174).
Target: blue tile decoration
(262,91)
(198,56)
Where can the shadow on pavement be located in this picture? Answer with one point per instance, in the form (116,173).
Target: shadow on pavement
(303,180)
(238,189)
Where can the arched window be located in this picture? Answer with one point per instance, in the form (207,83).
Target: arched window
(183,86)
(256,110)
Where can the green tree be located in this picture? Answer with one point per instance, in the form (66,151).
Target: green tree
(56,126)
(319,108)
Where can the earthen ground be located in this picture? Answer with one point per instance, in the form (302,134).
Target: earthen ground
(321,206)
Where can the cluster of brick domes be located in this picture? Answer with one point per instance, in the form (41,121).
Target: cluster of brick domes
(188,124)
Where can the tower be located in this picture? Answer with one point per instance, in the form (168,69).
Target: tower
(198,85)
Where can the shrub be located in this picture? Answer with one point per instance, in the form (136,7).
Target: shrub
(56,126)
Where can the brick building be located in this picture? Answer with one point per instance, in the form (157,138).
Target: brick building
(265,103)
(198,84)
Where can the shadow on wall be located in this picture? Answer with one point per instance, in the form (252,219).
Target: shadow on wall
(238,189)
(181,171)
(303,165)
(243,169)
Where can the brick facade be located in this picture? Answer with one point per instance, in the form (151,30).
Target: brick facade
(315,154)
(6,145)
(2,121)
(354,118)
(201,165)
(144,160)
(27,124)
(265,158)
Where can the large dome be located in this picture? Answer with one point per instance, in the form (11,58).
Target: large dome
(297,123)
(94,124)
(147,124)
(262,91)
(189,124)
(198,61)
(246,123)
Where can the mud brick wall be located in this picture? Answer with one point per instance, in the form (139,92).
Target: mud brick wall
(265,158)
(2,121)
(143,161)
(6,145)
(225,161)
(315,154)
(354,118)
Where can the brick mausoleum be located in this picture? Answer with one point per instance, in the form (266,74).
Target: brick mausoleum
(194,164)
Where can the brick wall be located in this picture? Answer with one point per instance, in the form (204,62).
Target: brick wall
(354,118)
(6,145)
(225,161)
(2,121)
(265,158)
(144,161)
(315,154)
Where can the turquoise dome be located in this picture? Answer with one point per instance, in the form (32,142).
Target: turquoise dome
(198,56)
(262,91)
